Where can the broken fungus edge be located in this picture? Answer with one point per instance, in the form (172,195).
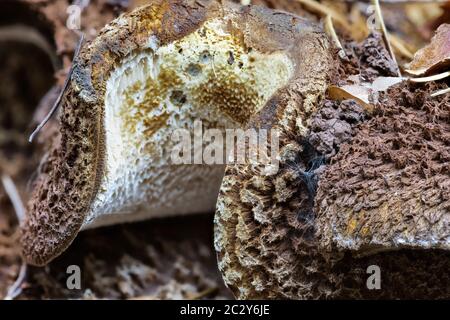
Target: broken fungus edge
(267,250)
(70,177)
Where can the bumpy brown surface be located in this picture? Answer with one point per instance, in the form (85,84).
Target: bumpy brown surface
(267,247)
(266,226)
(156,260)
(266,259)
(53,16)
(261,218)
(390,187)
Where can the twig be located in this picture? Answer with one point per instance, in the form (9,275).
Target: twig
(379,16)
(440,92)
(82,3)
(330,29)
(431,78)
(341,20)
(63,90)
(13,194)
(16,289)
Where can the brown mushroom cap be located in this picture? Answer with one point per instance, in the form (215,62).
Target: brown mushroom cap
(277,239)
(312,229)
(73,172)
(71,176)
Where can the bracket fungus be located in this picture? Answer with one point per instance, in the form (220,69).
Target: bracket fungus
(148,73)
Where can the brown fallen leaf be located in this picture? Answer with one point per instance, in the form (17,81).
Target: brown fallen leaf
(364,93)
(384,32)
(356,25)
(434,57)
(422,13)
(324,10)
(355,92)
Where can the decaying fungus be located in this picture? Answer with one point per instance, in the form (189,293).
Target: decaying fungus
(355,188)
(398,165)
(358,184)
(389,188)
(148,73)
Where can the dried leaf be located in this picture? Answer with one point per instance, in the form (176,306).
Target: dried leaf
(363,93)
(434,57)
(332,33)
(324,10)
(400,46)
(421,13)
(379,17)
(384,83)
(355,92)
(359,23)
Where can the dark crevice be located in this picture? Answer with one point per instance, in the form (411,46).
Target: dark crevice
(27,64)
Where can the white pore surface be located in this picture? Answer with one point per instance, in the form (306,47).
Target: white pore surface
(139,180)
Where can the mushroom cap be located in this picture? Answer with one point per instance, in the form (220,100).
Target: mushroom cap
(353,190)
(277,239)
(87,180)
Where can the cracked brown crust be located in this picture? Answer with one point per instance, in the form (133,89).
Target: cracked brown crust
(267,233)
(389,188)
(265,236)
(257,225)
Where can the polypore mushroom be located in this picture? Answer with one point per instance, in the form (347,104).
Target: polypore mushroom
(354,189)
(148,73)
